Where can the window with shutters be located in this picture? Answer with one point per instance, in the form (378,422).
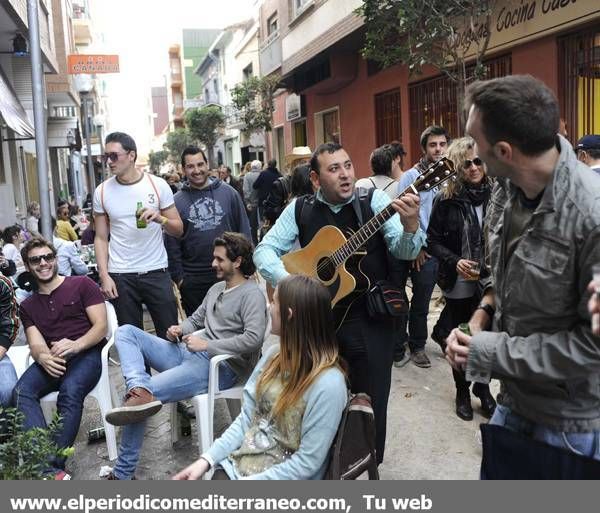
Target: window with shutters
(388,119)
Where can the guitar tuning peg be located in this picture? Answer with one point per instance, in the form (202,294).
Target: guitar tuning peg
(436,179)
(426,186)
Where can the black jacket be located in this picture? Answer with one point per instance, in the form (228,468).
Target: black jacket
(277,199)
(264,182)
(444,236)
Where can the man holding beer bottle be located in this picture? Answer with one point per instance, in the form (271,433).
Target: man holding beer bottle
(133,208)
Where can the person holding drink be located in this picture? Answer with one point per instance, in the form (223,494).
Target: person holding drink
(455,238)
(132,211)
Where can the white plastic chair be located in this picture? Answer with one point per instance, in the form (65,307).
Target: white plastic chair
(102,392)
(204,404)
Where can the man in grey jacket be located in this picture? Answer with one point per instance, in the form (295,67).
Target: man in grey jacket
(231,320)
(532,329)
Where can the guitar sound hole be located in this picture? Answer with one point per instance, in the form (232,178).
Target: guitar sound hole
(325,269)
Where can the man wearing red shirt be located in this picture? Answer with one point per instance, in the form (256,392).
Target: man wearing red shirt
(65,324)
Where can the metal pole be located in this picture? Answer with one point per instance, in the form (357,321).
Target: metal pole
(39,120)
(88,143)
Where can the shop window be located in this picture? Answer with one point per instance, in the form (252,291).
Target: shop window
(579,82)
(388,120)
(327,126)
(299,133)
(433,101)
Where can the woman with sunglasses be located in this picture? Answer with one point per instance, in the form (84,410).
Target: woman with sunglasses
(455,237)
(294,400)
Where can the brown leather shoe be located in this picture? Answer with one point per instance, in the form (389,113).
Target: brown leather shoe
(139,404)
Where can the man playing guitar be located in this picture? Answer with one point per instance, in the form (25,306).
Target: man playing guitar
(366,344)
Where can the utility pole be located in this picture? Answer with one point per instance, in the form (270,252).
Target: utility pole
(39,120)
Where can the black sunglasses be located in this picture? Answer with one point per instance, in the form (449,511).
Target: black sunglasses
(112,156)
(477,161)
(48,257)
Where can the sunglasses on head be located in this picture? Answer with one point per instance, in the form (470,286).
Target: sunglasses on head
(48,258)
(468,163)
(112,156)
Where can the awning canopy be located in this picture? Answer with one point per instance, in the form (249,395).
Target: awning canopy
(12,111)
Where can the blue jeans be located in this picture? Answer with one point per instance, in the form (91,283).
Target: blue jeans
(82,374)
(8,379)
(583,444)
(423,282)
(183,374)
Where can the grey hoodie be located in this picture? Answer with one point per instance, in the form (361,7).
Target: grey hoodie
(206,214)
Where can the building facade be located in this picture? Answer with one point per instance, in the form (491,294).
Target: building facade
(333,94)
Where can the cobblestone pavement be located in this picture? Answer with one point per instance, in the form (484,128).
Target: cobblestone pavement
(425,440)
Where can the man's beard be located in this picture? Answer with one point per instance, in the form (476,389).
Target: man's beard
(46,280)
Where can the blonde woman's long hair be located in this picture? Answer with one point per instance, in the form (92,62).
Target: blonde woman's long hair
(457,153)
(307,341)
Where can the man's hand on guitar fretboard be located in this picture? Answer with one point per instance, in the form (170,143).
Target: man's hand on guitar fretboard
(408,208)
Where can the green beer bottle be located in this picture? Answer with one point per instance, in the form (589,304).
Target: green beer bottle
(140,223)
(464,327)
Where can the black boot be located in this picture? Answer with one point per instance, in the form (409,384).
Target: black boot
(463,405)
(488,403)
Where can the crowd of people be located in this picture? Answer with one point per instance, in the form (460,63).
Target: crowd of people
(511,243)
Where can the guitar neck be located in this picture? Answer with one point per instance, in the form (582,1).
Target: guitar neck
(437,174)
(368,230)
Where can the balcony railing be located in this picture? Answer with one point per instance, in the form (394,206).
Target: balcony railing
(270,54)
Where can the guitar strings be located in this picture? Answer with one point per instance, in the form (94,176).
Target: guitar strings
(339,255)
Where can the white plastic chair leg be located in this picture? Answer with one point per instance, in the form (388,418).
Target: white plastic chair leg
(105,404)
(48,409)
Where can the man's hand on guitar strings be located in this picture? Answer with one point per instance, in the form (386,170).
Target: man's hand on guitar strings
(408,208)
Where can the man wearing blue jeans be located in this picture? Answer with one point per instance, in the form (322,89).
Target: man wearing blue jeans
(65,324)
(423,270)
(231,320)
(9,326)
(532,329)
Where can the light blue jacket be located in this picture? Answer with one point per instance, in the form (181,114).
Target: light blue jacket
(426,197)
(325,402)
(280,239)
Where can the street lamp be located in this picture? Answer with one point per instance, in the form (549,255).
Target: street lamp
(84,85)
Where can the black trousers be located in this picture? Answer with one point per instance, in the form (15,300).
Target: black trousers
(455,312)
(368,348)
(193,290)
(155,290)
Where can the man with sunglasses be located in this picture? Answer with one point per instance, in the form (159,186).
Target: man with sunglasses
(423,270)
(65,325)
(132,261)
(231,320)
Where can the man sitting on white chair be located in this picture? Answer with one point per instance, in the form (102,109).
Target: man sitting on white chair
(232,320)
(65,325)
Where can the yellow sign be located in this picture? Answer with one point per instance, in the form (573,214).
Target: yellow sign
(91,64)
(516,21)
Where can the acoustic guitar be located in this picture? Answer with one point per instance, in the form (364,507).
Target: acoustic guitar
(330,252)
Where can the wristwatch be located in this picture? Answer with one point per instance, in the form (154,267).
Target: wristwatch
(488,309)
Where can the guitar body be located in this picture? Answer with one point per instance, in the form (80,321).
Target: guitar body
(313,260)
(345,280)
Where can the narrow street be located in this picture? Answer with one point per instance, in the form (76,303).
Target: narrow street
(425,439)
